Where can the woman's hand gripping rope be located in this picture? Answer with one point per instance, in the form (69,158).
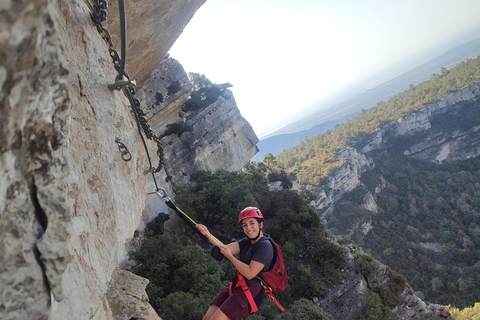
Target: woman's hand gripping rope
(223,248)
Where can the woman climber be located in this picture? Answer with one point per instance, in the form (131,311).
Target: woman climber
(245,293)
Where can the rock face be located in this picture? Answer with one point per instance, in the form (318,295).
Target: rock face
(127,299)
(346,297)
(437,147)
(446,146)
(164,94)
(345,179)
(208,146)
(68,201)
(34,211)
(218,137)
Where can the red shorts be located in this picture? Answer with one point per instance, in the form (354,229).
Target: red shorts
(236,306)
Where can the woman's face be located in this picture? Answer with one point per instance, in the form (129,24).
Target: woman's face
(251,227)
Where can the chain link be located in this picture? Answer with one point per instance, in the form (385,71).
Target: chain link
(126,155)
(98,15)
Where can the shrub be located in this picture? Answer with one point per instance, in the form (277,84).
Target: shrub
(203,98)
(366,263)
(158,98)
(182,306)
(306,310)
(173,88)
(176,128)
(371,307)
(398,282)
(173,268)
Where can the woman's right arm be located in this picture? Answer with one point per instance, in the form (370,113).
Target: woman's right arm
(233,247)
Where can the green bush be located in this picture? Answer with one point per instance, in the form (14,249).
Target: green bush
(155,227)
(367,264)
(306,310)
(306,287)
(158,98)
(182,306)
(398,282)
(173,88)
(203,98)
(173,268)
(372,308)
(176,128)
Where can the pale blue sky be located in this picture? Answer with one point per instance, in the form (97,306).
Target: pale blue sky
(281,56)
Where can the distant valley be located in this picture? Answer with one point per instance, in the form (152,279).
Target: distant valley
(326,118)
(283,141)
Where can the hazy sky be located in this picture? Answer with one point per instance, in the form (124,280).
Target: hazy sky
(281,56)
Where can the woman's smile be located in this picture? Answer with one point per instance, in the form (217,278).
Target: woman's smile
(251,228)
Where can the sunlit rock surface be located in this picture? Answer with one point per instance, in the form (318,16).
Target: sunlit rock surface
(68,201)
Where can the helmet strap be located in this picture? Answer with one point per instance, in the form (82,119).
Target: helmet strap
(256,238)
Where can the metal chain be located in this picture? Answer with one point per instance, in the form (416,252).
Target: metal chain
(126,155)
(98,15)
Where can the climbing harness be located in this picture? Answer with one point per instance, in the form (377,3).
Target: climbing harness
(123,82)
(165,198)
(243,284)
(273,280)
(246,290)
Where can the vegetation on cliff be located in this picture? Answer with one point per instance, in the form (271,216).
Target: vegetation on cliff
(204,94)
(469,313)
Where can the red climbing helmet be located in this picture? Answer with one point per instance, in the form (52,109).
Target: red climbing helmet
(250,212)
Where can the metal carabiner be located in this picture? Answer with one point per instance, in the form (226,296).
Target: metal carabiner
(163,196)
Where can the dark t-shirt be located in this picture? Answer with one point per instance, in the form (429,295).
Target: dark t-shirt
(262,251)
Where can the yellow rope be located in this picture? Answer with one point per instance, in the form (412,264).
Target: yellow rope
(186,216)
(207,234)
(166,199)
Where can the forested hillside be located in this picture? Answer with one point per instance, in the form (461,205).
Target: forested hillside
(426,220)
(184,278)
(316,159)
(428,227)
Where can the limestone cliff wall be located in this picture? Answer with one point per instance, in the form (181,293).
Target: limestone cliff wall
(436,147)
(162,107)
(68,202)
(345,297)
(218,137)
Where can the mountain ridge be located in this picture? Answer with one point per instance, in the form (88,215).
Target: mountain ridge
(354,103)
